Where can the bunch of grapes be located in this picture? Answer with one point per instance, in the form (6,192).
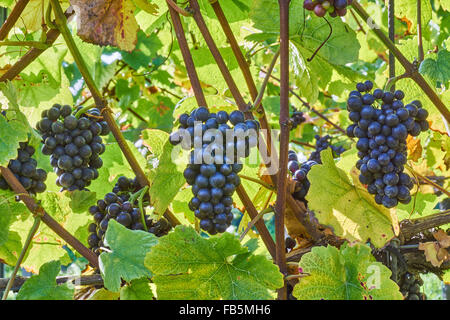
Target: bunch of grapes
(212,175)
(299,175)
(297,118)
(382,129)
(116,205)
(410,286)
(25,170)
(323,143)
(73,144)
(333,7)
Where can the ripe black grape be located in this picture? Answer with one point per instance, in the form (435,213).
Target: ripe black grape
(382,131)
(115,206)
(73,144)
(25,169)
(212,175)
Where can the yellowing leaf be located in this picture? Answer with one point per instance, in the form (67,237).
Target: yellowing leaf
(348,273)
(107,22)
(349,209)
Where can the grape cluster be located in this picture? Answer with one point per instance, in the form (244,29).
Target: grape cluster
(323,143)
(410,287)
(333,7)
(299,173)
(73,144)
(25,170)
(212,174)
(381,145)
(116,205)
(297,118)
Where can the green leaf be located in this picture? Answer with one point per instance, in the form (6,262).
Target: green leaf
(10,210)
(349,209)
(167,177)
(146,50)
(342,40)
(11,133)
(44,287)
(138,289)
(187,266)
(350,273)
(439,69)
(265,15)
(126,259)
(126,94)
(103,294)
(408,9)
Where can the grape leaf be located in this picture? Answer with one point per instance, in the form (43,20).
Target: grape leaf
(439,69)
(10,211)
(349,209)
(103,294)
(138,289)
(126,259)
(407,9)
(147,6)
(167,176)
(350,273)
(106,22)
(11,133)
(44,287)
(187,266)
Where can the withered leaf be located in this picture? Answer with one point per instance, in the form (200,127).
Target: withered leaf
(107,22)
(414,148)
(443,238)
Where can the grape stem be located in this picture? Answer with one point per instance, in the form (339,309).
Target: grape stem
(260,96)
(323,43)
(30,236)
(82,111)
(33,44)
(391,81)
(264,184)
(141,207)
(254,220)
(446,192)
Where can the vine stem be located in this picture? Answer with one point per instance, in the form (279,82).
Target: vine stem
(187,57)
(30,236)
(280,204)
(303,144)
(446,192)
(37,210)
(175,7)
(12,18)
(419,31)
(61,23)
(409,67)
(34,44)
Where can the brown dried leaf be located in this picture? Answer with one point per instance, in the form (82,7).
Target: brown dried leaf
(431,250)
(414,148)
(443,238)
(107,22)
